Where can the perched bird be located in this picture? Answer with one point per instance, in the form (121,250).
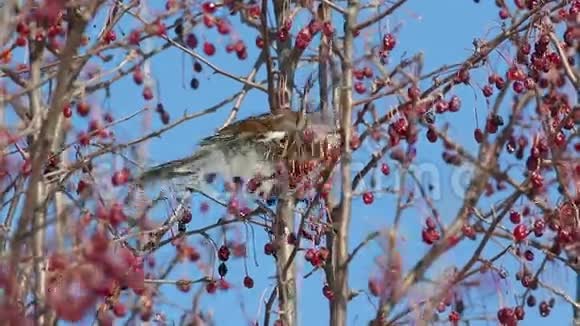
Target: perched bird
(251,148)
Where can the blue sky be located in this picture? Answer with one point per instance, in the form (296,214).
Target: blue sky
(444,31)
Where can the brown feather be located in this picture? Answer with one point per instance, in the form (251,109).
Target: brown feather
(262,123)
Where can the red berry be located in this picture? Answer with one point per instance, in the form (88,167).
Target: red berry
(20,41)
(490,127)
(478,135)
(487,91)
(254,11)
(81,187)
(564,236)
(269,248)
(67,111)
(83,138)
(55,30)
(441,106)
(314,26)
(22,28)
(506,316)
(109,37)
(223,284)
(519,313)
(134,37)
(413,92)
(360,87)
(186,217)
(368,198)
(515,73)
(208,7)
(242,54)
(504,13)
(283,35)
(525,48)
(327,292)
(291,239)
(358,74)
(389,42)
(537,179)
(499,83)
(354,142)
(259,42)
(431,135)
(462,76)
(223,253)
(323,254)
(83,109)
(529,255)
(544,309)
(539,226)
(454,317)
(518,86)
(327,29)
(515,217)
(40,37)
(303,38)
(560,139)
(248,282)
(430,223)
(367,72)
(108,117)
(208,48)
(138,76)
(468,231)
(119,310)
(385,169)
(430,236)
(223,27)
(147,93)
(120,177)
(520,232)
(211,287)
(454,104)
(204,207)
(159,28)
(191,41)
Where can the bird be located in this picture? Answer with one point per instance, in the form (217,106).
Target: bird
(251,148)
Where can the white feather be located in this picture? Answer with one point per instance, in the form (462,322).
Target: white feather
(245,163)
(273,135)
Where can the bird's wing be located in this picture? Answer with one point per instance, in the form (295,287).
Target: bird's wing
(260,126)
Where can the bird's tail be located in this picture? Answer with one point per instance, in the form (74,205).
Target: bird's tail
(183,176)
(187,168)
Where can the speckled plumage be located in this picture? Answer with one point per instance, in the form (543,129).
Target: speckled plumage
(247,148)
